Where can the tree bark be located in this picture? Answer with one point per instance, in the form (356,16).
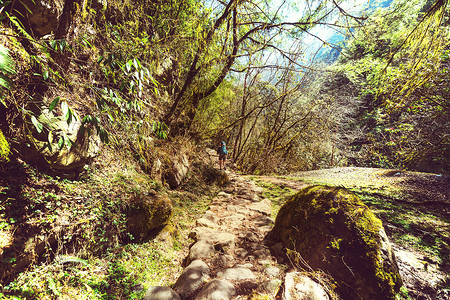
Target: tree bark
(66,19)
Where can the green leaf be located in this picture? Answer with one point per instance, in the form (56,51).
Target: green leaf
(68,143)
(104,136)
(53,104)
(62,45)
(111,118)
(50,137)
(45,75)
(87,119)
(37,124)
(3,102)
(54,45)
(69,117)
(60,142)
(64,108)
(128,66)
(136,63)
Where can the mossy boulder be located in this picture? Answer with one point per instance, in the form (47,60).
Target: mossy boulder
(332,230)
(148,213)
(46,148)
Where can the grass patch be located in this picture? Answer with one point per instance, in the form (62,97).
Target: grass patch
(277,194)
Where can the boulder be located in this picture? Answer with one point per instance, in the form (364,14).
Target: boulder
(48,149)
(298,286)
(160,293)
(192,279)
(148,213)
(216,290)
(177,171)
(330,229)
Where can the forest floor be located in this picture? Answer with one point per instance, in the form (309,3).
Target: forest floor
(414,208)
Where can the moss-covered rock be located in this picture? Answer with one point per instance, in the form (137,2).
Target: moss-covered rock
(335,232)
(148,213)
(48,151)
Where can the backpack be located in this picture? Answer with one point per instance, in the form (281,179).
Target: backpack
(222,150)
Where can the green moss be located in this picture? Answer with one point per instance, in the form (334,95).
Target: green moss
(333,224)
(335,243)
(5,150)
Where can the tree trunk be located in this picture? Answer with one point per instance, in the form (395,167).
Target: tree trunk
(66,19)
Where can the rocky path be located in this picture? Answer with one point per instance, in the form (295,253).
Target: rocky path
(228,259)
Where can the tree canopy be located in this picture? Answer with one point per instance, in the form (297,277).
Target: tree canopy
(246,72)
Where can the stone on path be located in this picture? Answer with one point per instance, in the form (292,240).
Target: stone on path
(218,238)
(224,260)
(251,237)
(263,253)
(263,206)
(272,271)
(232,222)
(241,252)
(258,190)
(237,273)
(192,278)
(252,197)
(216,290)
(300,287)
(210,216)
(203,222)
(238,208)
(272,286)
(224,194)
(201,249)
(160,293)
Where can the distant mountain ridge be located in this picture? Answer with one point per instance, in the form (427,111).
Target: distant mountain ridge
(329,54)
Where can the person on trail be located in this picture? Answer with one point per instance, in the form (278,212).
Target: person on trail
(222,151)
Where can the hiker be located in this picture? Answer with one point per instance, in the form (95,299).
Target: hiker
(222,151)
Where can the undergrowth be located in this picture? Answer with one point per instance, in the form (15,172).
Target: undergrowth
(68,239)
(276,193)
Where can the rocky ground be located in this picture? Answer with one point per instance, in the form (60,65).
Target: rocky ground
(230,255)
(228,251)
